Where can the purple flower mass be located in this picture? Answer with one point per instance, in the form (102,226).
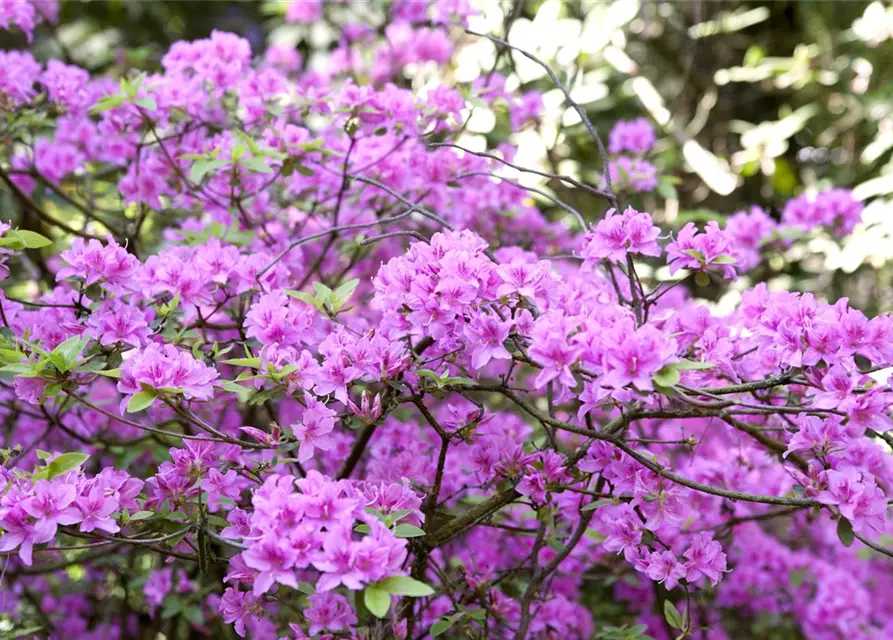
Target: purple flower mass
(282,357)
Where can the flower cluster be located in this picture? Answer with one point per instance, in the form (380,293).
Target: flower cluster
(632,172)
(835,209)
(31,513)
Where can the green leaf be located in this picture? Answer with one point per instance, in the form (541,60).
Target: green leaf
(68,352)
(146,103)
(256,164)
(110,373)
(694,253)
(666,377)
(305,297)
(667,191)
(408,531)
(440,627)
(724,259)
(194,615)
(672,615)
(26,633)
(65,463)
(363,528)
(406,586)
(345,291)
(142,515)
(21,368)
(202,167)
(398,515)
(11,356)
(845,532)
(306,587)
(595,505)
(691,365)
(254,363)
(33,240)
(140,401)
(322,291)
(172,606)
(378,601)
(107,103)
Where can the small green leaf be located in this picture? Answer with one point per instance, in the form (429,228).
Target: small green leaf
(398,515)
(667,191)
(21,369)
(202,167)
(110,373)
(107,103)
(194,615)
(306,587)
(672,615)
(256,164)
(694,253)
(845,532)
(142,515)
(68,352)
(33,240)
(345,291)
(140,401)
(691,365)
(254,363)
(305,297)
(378,601)
(362,528)
(406,586)
(408,531)
(666,377)
(322,291)
(724,259)
(440,627)
(702,279)
(595,505)
(65,463)
(172,606)
(146,103)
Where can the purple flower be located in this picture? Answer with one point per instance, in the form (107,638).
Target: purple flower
(329,611)
(167,368)
(237,607)
(635,174)
(705,558)
(662,566)
(835,209)
(485,335)
(821,436)
(95,262)
(273,559)
(634,136)
(95,508)
(635,357)
(617,236)
(159,584)
(314,429)
(710,249)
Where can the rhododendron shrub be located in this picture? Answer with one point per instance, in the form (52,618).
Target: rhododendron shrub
(282,359)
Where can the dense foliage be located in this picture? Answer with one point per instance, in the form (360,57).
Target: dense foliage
(284,357)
